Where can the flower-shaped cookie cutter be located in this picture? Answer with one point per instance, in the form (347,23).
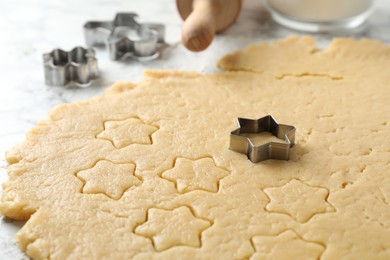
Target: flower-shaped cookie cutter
(78,66)
(126,37)
(270,150)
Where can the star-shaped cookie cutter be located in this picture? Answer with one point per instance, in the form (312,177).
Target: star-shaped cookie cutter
(78,66)
(124,37)
(270,150)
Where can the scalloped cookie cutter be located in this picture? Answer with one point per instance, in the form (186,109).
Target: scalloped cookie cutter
(270,150)
(78,66)
(125,37)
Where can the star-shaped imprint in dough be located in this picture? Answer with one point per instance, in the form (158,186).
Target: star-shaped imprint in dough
(127,132)
(287,245)
(169,228)
(298,200)
(201,174)
(109,178)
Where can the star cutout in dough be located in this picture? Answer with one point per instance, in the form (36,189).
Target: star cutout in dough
(298,200)
(201,174)
(127,132)
(169,228)
(287,245)
(108,178)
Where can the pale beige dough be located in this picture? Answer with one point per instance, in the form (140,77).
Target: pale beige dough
(262,138)
(144,171)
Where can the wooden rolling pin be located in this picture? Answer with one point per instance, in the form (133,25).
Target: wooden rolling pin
(204,18)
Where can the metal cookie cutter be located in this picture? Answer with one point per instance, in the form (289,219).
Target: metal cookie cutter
(271,150)
(78,66)
(125,36)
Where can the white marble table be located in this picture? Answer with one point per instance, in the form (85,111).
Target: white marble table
(32,27)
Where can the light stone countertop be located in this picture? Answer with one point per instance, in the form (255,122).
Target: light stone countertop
(32,27)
